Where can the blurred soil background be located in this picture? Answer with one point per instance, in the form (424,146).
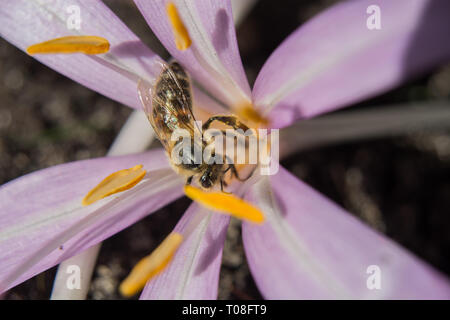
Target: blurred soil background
(400,186)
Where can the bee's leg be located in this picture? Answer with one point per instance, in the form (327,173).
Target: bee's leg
(236,174)
(233,169)
(231,121)
(230,166)
(189,180)
(226,170)
(222,184)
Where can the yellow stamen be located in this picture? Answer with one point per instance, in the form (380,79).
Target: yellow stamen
(182,39)
(118,181)
(71,44)
(226,203)
(151,265)
(250,114)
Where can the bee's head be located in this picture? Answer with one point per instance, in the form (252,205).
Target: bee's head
(208,178)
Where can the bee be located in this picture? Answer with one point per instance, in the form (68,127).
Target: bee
(168,106)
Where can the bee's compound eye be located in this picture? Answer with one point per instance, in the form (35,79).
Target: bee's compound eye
(205,181)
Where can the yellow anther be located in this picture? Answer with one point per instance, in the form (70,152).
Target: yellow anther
(151,265)
(180,33)
(118,181)
(225,203)
(249,114)
(71,44)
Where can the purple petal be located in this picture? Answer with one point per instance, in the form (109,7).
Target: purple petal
(334,59)
(114,74)
(194,271)
(42,211)
(310,248)
(204,106)
(211,28)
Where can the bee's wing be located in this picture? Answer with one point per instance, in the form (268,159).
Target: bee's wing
(168,104)
(174,77)
(145,92)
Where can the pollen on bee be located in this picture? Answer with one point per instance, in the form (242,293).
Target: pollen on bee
(182,39)
(71,44)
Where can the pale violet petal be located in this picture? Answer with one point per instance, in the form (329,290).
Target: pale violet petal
(194,271)
(42,221)
(114,74)
(213,59)
(335,60)
(309,248)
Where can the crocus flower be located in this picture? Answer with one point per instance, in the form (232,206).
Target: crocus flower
(308,247)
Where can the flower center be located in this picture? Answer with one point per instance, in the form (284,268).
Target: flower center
(251,116)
